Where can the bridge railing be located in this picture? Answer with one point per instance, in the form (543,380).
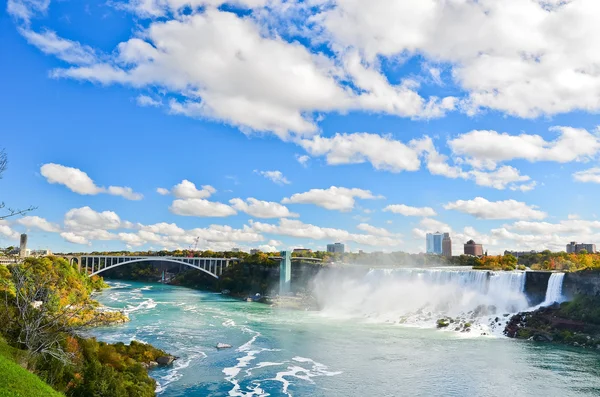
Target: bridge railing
(95,264)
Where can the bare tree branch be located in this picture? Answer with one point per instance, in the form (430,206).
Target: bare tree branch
(3,162)
(11,211)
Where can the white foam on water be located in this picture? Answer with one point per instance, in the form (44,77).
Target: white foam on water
(147,304)
(228,323)
(305,374)
(175,374)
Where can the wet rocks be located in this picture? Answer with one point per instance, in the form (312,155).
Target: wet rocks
(165,361)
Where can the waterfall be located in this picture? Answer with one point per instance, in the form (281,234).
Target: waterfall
(554,289)
(420,296)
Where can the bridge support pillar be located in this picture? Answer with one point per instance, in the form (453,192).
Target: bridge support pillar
(285,272)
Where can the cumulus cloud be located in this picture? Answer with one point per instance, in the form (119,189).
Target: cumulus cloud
(262,209)
(334,198)
(201,208)
(383,152)
(79,182)
(591,175)
(406,210)
(85,218)
(162,191)
(486,148)
(222,66)
(507,209)
(525,60)
(35,222)
(303,159)
(296,228)
(147,101)
(75,238)
(188,190)
(274,176)
(7,232)
(370,229)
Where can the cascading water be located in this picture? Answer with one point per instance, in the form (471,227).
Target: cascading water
(554,289)
(420,297)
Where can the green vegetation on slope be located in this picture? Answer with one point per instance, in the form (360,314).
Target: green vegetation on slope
(575,323)
(16,381)
(44,303)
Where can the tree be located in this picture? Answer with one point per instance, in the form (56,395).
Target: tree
(11,211)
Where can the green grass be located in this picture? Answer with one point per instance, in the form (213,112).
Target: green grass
(16,381)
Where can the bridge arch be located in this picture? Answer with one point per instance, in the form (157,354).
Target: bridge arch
(153,259)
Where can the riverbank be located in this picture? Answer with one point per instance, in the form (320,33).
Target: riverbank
(575,323)
(47,306)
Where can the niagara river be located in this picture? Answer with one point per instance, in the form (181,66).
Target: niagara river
(374,336)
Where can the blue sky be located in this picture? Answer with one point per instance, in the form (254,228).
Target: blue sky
(404,126)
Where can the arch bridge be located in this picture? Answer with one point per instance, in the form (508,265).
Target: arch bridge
(96,264)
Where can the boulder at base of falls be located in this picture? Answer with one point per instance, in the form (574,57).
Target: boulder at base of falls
(223,346)
(164,361)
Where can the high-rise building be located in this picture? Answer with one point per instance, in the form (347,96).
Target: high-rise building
(574,247)
(474,249)
(433,242)
(23,246)
(336,248)
(447,245)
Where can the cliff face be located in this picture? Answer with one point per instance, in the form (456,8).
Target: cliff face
(586,282)
(536,284)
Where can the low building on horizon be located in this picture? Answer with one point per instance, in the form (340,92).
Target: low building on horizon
(473,249)
(302,251)
(336,248)
(574,247)
(254,251)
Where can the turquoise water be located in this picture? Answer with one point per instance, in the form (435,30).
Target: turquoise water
(279,352)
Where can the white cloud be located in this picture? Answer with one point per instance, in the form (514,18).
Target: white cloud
(274,176)
(261,209)
(86,218)
(188,190)
(145,101)
(334,198)
(507,209)
(125,192)
(591,175)
(162,191)
(7,232)
(303,159)
(69,51)
(24,10)
(410,211)
(38,223)
(164,228)
(376,231)
(230,68)
(528,58)
(485,148)
(73,178)
(383,152)
(201,208)
(296,228)
(74,238)
(79,182)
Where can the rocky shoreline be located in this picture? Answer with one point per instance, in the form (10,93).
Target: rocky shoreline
(571,323)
